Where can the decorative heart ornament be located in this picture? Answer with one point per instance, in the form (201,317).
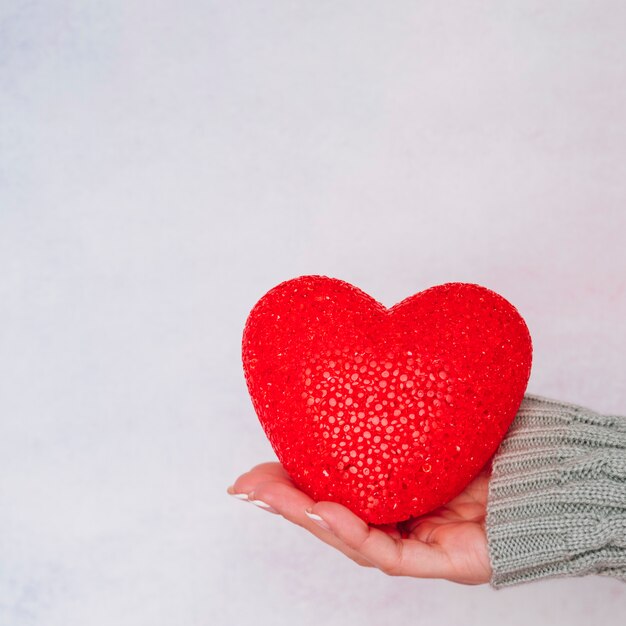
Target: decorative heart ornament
(390,412)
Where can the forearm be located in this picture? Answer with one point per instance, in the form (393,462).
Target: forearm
(557,495)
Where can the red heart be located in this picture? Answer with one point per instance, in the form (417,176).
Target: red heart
(390,412)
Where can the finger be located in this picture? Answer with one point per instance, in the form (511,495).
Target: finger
(275,471)
(260,473)
(290,502)
(391,529)
(396,557)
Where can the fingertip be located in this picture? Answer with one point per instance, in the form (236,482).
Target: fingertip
(318,519)
(271,467)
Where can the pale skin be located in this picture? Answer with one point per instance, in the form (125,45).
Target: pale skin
(448,543)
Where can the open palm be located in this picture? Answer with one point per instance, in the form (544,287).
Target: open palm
(449,542)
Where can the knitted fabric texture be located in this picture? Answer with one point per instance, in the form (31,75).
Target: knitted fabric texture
(557,495)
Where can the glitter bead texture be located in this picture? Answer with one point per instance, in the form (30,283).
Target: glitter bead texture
(390,412)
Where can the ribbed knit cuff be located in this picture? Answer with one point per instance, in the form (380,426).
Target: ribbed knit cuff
(557,495)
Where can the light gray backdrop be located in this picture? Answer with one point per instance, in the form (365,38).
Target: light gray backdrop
(163,164)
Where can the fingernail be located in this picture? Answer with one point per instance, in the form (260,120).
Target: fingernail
(240,496)
(317,519)
(264,505)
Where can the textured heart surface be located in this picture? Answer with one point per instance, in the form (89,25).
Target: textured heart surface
(388,411)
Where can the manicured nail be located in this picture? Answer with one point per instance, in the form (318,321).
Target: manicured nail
(317,519)
(241,496)
(264,505)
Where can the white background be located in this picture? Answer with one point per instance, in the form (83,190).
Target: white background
(163,164)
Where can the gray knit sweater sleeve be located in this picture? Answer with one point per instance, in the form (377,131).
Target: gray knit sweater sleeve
(557,495)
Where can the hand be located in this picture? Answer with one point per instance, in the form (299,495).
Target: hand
(449,543)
